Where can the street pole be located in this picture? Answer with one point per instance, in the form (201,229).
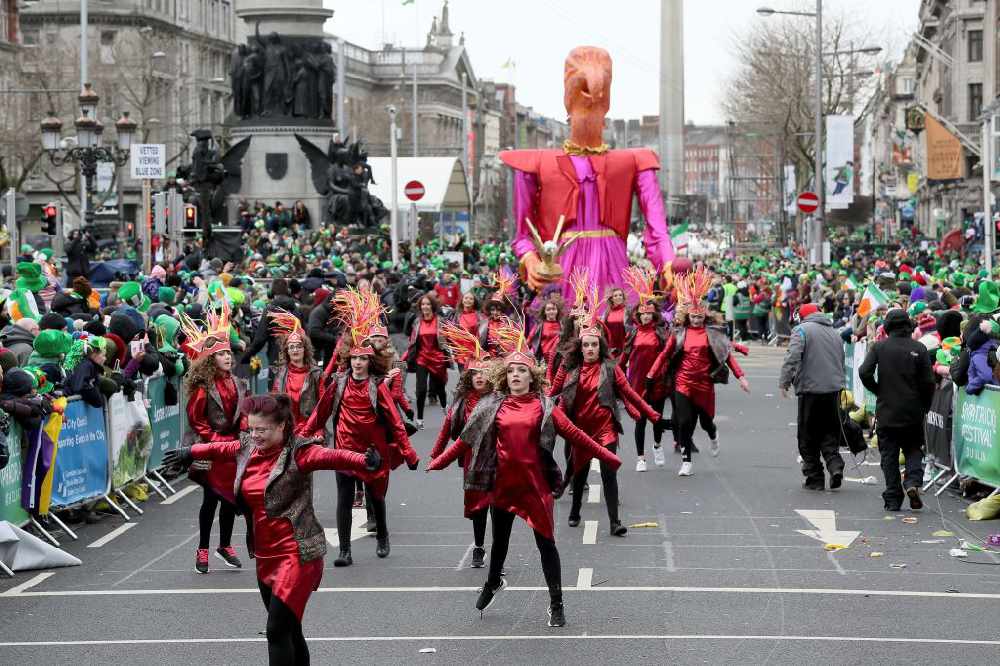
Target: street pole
(145,234)
(59,242)
(414,230)
(820,179)
(465,131)
(84,77)
(416,120)
(989,228)
(10,208)
(394,210)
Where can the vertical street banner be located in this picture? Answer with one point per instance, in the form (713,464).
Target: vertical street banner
(937,429)
(131,439)
(975,436)
(10,480)
(81,469)
(839,162)
(791,190)
(944,153)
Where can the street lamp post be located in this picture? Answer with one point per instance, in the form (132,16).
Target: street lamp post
(89,150)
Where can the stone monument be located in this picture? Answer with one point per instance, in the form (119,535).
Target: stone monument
(282,81)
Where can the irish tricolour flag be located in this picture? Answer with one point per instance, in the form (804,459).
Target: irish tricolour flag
(679,236)
(872,299)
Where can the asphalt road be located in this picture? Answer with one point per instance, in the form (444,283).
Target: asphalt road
(723,577)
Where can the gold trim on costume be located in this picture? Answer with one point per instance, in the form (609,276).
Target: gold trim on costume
(593,233)
(571,148)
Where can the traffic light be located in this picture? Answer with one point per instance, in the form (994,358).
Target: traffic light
(50,214)
(190,216)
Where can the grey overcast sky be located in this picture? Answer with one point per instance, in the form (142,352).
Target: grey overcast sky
(537,35)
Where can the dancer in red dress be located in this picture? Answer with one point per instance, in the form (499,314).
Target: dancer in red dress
(505,283)
(473,384)
(359,410)
(468,315)
(426,355)
(615,320)
(589,386)
(296,374)
(643,343)
(511,436)
(697,357)
(273,482)
(544,338)
(213,414)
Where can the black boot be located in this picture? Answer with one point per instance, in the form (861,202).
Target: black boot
(478,557)
(557,616)
(344,559)
(382,550)
(618,530)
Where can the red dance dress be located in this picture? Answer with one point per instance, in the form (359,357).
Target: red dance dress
(492,343)
(275,547)
(469,320)
(614,322)
(550,340)
(430,356)
(294,381)
(475,500)
(222,474)
(646,346)
(520,486)
(692,376)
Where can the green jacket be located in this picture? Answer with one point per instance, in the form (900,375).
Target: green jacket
(742,307)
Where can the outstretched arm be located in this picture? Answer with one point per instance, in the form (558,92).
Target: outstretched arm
(220,451)
(636,406)
(397,431)
(452,453)
(314,457)
(578,439)
(557,384)
(659,248)
(442,438)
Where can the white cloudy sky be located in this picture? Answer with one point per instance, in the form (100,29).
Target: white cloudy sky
(537,35)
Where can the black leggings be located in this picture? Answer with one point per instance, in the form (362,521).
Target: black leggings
(206,515)
(479,526)
(687,415)
(437,389)
(286,646)
(502,524)
(640,428)
(609,478)
(345,508)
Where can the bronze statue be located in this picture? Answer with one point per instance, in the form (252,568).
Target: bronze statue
(213,178)
(342,175)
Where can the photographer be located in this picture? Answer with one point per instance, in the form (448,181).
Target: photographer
(81,245)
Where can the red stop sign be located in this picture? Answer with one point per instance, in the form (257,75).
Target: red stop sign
(808,202)
(414,190)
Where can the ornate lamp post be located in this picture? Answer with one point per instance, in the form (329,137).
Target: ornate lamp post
(89,148)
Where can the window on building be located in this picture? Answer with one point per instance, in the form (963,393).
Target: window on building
(29,37)
(975,41)
(108,47)
(975,101)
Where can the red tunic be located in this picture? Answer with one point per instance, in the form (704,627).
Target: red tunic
(469,320)
(645,348)
(692,378)
(294,380)
(550,340)
(222,474)
(430,357)
(275,548)
(491,335)
(615,324)
(475,500)
(398,394)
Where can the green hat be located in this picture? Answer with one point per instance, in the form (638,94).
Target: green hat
(131,294)
(235,296)
(988,300)
(916,308)
(47,253)
(29,276)
(167,327)
(27,249)
(52,343)
(166,295)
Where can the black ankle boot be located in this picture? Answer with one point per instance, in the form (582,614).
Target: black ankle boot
(478,557)
(344,559)
(382,550)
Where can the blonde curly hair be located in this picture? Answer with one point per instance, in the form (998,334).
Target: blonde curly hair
(497,375)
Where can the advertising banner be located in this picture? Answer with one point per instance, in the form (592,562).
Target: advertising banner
(131,439)
(165,420)
(937,429)
(10,480)
(791,191)
(81,469)
(839,162)
(975,437)
(944,153)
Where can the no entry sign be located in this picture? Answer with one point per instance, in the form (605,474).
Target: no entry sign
(808,202)
(414,190)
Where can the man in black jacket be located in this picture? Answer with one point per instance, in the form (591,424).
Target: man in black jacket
(904,389)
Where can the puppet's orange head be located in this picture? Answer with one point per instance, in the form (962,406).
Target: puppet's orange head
(587,83)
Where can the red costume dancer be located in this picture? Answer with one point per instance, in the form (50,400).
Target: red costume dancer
(473,384)
(296,375)
(426,355)
(544,338)
(643,344)
(587,185)
(359,410)
(502,298)
(213,413)
(467,315)
(511,435)
(615,321)
(589,385)
(274,483)
(695,359)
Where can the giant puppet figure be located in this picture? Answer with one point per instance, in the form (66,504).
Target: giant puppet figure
(584,190)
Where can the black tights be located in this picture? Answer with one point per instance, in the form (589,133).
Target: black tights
(502,524)
(437,389)
(206,515)
(609,478)
(345,508)
(479,526)
(640,428)
(687,415)
(286,646)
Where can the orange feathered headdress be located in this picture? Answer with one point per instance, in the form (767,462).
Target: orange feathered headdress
(586,302)
(643,282)
(513,342)
(360,311)
(505,283)
(464,346)
(214,338)
(286,325)
(691,289)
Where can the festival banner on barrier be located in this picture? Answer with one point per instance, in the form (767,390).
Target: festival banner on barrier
(165,421)
(131,439)
(937,429)
(81,470)
(10,480)
(975,438)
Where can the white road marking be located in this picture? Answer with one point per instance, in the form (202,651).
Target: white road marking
(462,589)
(461,562)
(155,560)
(589,532)
(594,494)
(584,578)
(181,494)
(668,556)
(28,584)
(113,534)
(358,519)
(595,465)
(825,522)
(523,637)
